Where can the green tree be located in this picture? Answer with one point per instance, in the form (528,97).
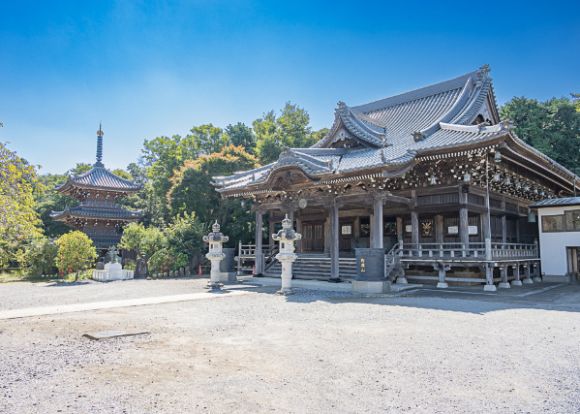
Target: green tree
(39,257)
(288,130)
(209,138)
(242,135)
(553,127)
(76,252)
(49,200)
(143,240)
(119,172)
(192,190)
(19,221)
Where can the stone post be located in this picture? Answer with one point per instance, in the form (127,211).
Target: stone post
(516,281)
(527,271)
(489,286)
(215,239)
(536,278)
(442,270)
(286,237)
(504,284)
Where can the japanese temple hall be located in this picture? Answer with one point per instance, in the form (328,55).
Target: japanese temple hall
(98,213)
(433,176)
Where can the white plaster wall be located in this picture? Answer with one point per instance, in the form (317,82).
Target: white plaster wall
(553,245)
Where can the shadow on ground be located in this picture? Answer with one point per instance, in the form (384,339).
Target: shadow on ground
(546,296)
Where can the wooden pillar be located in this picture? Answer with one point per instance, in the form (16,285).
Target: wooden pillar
(414,227)
(463,218)
(400,230)
(377,223)
(334,243)
(356,230)
(504,229)
(299,230)
(271,228)
(414,219)
(327,233)
(486,227)
(258,237)
(503,223)
(439,235)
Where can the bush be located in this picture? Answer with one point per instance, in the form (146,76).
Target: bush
(142,240)
(39,257)
(76,252)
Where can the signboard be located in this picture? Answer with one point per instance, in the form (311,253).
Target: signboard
(472,230)
(453,230)
(408,228)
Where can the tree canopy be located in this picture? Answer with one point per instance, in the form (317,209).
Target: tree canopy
(553,127)
(19,220)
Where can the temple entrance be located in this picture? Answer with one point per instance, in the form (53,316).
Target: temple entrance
(313,237)
(346,231)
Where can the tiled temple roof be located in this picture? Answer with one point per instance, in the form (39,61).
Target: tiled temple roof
(101,213)
(557,202)
(100,178)
(392,132)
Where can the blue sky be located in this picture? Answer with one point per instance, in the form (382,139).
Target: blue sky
(150,68)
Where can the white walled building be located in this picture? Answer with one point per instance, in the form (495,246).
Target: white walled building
(559,233)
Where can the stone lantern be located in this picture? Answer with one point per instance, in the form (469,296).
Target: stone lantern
(215,239)
(287,236)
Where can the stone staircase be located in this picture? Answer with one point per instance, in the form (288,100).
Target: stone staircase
(313,266)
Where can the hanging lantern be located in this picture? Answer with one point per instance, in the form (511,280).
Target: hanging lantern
(467,177)
(432,179)
(497,156)
(531,216)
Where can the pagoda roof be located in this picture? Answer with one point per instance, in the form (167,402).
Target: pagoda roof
(94,212)
(392,133)
(99,178)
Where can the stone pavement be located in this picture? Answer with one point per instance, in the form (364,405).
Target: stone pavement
(80,307)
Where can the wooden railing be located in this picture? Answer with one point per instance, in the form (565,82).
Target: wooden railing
(474,250)
(392,259)
(246,258)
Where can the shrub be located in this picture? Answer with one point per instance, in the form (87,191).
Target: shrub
(76,252)
(39,257)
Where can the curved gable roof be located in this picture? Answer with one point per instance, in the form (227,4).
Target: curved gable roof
(100,178)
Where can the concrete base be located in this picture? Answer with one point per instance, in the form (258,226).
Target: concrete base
(365,286)
(442,285)
(489,288)
(504,285)
(516,282)
(285,292)
(528,282)
(537,279)
(402,281)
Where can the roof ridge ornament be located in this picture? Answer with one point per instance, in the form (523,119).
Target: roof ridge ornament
(484,70)
(418,136)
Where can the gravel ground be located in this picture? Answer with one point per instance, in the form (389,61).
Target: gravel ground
(310,352)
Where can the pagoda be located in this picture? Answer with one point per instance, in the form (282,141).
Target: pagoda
(98,214)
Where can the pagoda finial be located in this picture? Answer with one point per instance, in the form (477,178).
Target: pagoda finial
(100,134)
